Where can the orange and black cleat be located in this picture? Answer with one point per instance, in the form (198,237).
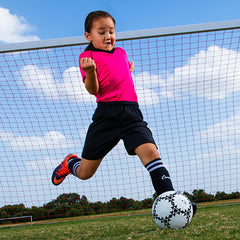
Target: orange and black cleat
(61,171)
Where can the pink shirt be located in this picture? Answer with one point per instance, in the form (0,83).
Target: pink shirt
(114,76)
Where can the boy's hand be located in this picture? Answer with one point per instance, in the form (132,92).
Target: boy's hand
(132,66)
(91,81)
(88,65)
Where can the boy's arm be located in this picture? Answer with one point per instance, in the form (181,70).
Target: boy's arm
(91,81)
(132,66)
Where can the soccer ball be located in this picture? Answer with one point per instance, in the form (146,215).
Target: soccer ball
(172,210)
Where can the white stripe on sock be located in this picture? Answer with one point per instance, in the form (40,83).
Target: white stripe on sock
(75,166)
(158,162)
(156,167)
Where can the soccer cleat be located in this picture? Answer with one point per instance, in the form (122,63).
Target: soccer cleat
(194,205)
(61,171)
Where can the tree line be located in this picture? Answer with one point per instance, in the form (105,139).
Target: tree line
(72,205)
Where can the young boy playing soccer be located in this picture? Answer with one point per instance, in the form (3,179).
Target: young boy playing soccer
(106,73)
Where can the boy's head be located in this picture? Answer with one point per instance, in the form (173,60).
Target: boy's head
(100,30)
(93,16)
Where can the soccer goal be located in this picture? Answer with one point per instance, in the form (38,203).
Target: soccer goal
(188,82)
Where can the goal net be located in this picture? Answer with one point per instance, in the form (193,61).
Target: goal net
(188,84)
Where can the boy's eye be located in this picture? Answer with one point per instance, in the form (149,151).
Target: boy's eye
(102,33)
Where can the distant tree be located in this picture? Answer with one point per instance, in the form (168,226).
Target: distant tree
(73,212)
(12,210)
(68,198)
(147,203)
(70,205)
(221,196)
(235,195)
(3,213)
(61,209)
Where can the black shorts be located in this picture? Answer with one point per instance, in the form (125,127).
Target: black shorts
(113,121)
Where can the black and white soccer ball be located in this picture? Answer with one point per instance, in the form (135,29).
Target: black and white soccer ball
(172,210)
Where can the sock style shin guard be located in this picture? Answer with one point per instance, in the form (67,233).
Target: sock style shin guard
(160,176)
(73,164)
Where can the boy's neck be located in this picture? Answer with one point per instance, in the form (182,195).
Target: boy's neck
(92,48)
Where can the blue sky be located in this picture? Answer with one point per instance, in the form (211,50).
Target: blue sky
(57,19)
(189,93)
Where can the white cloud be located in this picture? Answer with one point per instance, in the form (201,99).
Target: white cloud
(51,140)
(14,28)
(223,147)
(224,131)
(45,163)
(147,96)
(73,86)
(41,82)
(149,80)
(212,74)
(228,151)
(144,85)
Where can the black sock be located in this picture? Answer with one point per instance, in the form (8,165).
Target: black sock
(160,176)
(73,164)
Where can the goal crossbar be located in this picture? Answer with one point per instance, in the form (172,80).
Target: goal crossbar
(148,33)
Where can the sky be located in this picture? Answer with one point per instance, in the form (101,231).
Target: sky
(188,89)
(40,19)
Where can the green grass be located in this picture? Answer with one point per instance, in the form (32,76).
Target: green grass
(212,222)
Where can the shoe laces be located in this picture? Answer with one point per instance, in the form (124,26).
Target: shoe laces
(63,170)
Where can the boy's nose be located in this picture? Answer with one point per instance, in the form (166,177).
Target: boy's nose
(107,35)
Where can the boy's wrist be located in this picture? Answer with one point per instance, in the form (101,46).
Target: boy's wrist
(90,72)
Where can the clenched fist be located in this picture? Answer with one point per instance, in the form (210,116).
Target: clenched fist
(88,65)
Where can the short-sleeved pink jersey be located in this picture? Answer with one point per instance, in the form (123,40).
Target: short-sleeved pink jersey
(114,76)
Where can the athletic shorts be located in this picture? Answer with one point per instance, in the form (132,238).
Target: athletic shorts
(112,122)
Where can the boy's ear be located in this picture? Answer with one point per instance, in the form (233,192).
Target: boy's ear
(88,36)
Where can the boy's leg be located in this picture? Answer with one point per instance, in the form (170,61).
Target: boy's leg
(159,174)
(87,168)
(160,177)
(81,168)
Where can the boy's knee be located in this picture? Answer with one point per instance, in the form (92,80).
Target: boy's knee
(84,176)
(87,168)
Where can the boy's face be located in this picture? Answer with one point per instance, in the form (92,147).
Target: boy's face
(102,34)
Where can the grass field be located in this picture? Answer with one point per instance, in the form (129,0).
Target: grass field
(211,222)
